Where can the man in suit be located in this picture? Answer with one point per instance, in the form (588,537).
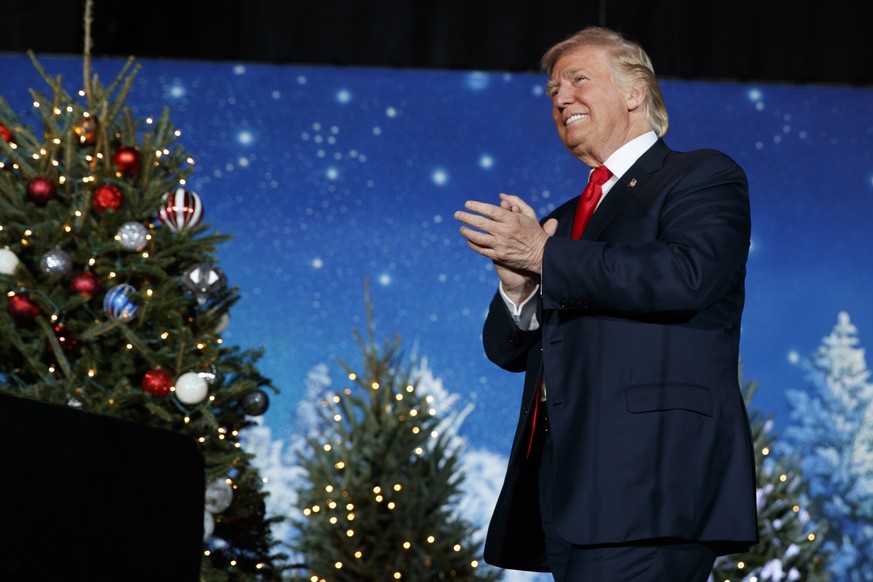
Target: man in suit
(633,458)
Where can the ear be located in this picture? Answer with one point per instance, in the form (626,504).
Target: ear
(636,96)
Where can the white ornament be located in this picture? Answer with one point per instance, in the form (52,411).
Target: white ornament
(218,496)
(8,262)
(191,388)
(208,525)
(223,322)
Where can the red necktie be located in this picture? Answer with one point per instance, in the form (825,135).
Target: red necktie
(533,420)
(588,201)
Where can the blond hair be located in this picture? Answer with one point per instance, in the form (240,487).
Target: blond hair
(628,62)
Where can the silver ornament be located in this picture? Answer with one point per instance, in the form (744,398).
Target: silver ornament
(132,236)
(255,403)
(204,280)
(211,374)
(218,496)
(55,262)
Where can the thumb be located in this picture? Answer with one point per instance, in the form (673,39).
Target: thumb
(550,226)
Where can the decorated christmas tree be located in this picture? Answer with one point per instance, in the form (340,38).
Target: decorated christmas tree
(790,546)
(378,499)
(112,298)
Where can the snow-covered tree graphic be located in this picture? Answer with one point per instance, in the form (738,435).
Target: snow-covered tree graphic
(831,431)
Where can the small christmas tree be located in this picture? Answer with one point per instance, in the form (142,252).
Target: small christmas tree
(832,432)
(381,483)
(112,300)
(790,546)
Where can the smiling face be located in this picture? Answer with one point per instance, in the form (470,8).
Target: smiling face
(593,115)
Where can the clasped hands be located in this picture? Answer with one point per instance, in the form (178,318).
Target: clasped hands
(511,236)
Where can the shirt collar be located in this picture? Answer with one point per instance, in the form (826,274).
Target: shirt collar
(624,157)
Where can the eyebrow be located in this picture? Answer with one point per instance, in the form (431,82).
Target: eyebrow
(568,74)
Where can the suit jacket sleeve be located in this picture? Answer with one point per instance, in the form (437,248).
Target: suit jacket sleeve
(505,343)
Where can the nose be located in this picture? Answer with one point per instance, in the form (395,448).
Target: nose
(562,96)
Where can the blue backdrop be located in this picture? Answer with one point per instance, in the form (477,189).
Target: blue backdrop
(328,176)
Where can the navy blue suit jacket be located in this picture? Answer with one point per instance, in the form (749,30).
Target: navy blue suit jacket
(639,345)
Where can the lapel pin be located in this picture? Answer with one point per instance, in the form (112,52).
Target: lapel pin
(632,183)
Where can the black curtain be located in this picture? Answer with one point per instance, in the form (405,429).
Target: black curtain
(744,40)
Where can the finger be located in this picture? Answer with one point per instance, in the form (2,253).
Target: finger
(518,205)
(489,210)
(474,220)
(484,251)
(550,226)
(480,239)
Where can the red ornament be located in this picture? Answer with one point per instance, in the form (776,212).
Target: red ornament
(87,284)
(128,160)
(40,190)
(5,134)
(21,309)
(65,338)
(157,382)
(106,196)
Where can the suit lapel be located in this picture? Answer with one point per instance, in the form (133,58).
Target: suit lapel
(634,180)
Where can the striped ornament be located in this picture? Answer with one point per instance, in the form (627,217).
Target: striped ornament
(181,209)
(119,302)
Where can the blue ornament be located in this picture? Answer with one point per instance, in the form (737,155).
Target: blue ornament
(119,303)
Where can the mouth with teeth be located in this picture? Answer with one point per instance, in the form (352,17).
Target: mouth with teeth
(574,118)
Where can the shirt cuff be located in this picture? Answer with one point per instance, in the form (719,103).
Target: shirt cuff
(525,314)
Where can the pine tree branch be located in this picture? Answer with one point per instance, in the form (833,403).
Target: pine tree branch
(52,340)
